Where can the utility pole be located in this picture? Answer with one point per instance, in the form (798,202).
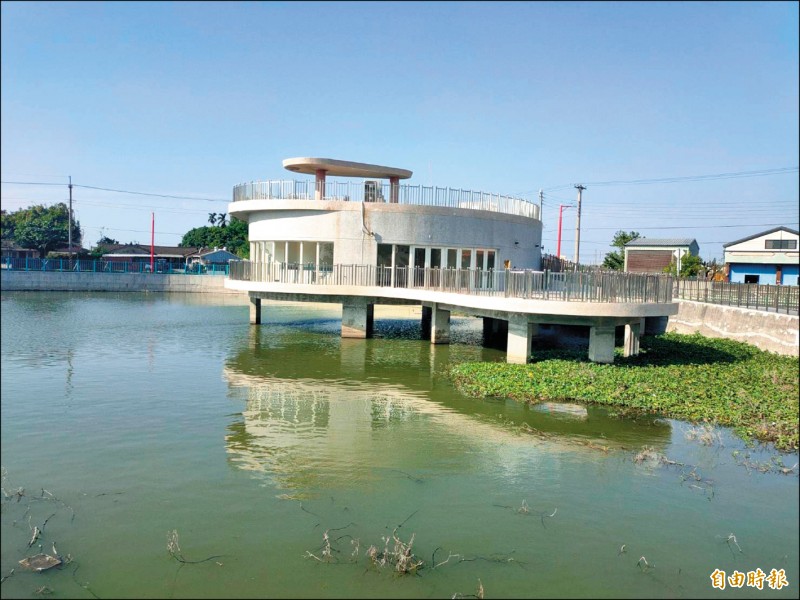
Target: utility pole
(541,207)
(69,223)
(580,188)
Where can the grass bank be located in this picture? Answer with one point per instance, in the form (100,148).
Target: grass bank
(688,377)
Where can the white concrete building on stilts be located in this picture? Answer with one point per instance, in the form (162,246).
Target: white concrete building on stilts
(365,238)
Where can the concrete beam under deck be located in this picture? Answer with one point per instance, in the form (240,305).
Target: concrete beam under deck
(602,319)
(358,318)
(255,311)
(632,333)
(520,334)
(440,326)
(601,343)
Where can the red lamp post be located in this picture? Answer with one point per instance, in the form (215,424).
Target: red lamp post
(561,208)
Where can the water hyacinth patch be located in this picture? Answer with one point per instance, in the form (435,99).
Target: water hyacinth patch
(688,377)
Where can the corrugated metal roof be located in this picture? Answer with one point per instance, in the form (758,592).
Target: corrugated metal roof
(662,242)
(755,235)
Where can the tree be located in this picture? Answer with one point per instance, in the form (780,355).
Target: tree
(691,265)
(233,237)
(107,241)
(8,224)
(41,227)
(212,218)
(616,260)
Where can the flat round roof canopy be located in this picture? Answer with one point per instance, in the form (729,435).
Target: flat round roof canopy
(343,168)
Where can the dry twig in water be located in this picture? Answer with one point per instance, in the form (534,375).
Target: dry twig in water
(732,538)
(174,549)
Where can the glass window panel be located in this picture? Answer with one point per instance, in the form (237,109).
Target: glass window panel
(401,255)
(436,258)
(384,255)
(490,259)
(280,251)
(466,258)
(326,253)
(452,258)
(419,257)
(419,266)
(293,249)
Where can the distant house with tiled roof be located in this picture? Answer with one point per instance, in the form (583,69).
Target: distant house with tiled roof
(174,256)
(769,257)
(653,255)
(213,256)
(10,249)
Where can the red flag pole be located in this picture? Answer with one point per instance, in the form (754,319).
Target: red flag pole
(152,241)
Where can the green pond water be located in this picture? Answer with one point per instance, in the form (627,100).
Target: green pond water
(126,417)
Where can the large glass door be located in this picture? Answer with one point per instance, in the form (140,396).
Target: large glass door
(436,265)
(401,259)
(419,267)
(384,274)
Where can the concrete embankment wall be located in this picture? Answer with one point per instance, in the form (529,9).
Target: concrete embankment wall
(46,281)
(770,331)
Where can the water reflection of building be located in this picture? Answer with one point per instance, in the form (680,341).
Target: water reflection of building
(305,435)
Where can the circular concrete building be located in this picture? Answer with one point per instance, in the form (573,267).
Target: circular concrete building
(370,218)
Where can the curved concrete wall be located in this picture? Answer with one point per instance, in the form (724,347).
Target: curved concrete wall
(357,228)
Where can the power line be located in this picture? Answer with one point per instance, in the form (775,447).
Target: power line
(699,226)
(130,230)
(92,187)
(31,183)
(715,176)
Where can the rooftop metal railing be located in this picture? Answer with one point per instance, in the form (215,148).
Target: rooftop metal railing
(417,195)
(600,286)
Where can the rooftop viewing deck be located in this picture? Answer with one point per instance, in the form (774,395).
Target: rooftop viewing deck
(391,193)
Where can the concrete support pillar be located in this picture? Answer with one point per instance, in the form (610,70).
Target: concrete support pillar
(495,333)
(632,331)
(394,190)
(440,325)
(655,325)
(427,318)
(319,192)
(255,311)
(601,343)
(357,318)
(518,349)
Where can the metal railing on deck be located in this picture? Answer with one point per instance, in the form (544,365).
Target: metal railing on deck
(778,298)
(539,285)
(417,195)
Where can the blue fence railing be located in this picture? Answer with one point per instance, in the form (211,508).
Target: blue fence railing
(110,266)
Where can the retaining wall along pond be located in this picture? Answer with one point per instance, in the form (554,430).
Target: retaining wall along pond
(55,281)
(775,332)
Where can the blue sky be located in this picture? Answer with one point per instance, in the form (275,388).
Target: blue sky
(189,99)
